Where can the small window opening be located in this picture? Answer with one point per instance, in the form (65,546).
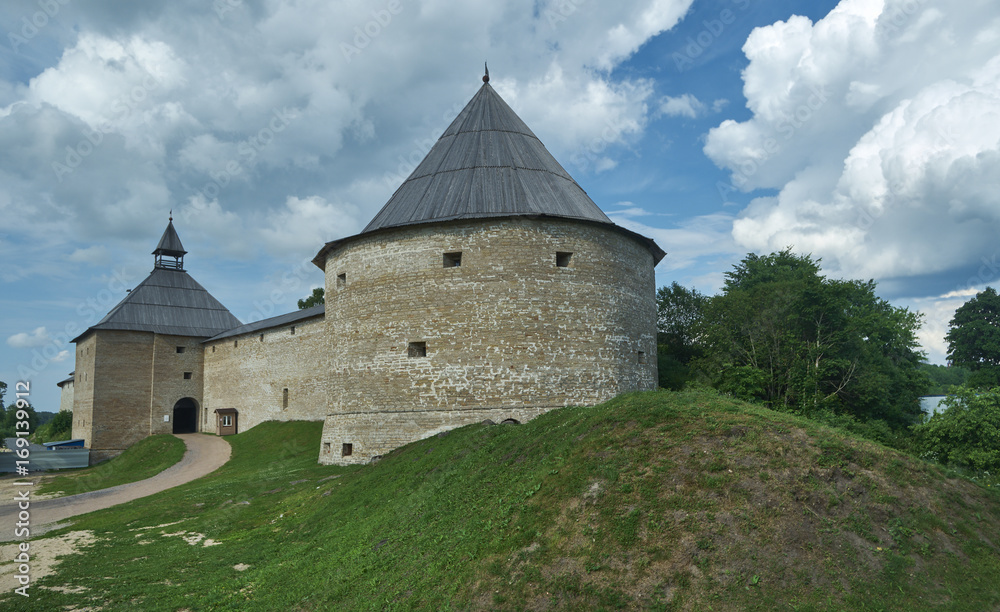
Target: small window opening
(227,420)
(417,349)
(213,348)
(453,260)
(563,258)
(293,330)
(642,357)
(346,450)
(284,399)
(341,280)
(180,349)
(187,375)
(236,343)
(326,447)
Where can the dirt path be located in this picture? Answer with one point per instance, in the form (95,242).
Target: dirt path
(204,455)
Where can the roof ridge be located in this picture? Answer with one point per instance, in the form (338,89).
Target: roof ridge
(272,322)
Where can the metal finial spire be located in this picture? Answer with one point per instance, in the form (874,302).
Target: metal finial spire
(486,77)
(171,215)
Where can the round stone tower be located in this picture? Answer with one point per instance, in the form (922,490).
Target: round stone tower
(490,286)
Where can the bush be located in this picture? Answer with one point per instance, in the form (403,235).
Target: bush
(876,430)
(672,373)
(967,433)
(63,421)
(744,382)
(59,428)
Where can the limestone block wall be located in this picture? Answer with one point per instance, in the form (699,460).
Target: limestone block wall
(539,313)
(115,392)
(128,382)
(177,372)
(83,389)
(370,434)
(275,374)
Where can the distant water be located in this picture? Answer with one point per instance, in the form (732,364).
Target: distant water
(931,404)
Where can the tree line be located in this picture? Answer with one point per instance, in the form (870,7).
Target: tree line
(44,426)
(782,334)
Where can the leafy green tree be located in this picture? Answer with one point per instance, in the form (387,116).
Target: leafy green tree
(783,334)
(679,312)
(63,421)
(752,330)
(60,427)
(967,432)
(315,299)
(8,429)
(974,338)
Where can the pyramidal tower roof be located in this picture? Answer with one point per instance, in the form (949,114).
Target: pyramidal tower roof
(488,163)
(168,301)
(170,242)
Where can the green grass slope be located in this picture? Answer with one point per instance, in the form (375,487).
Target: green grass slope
(142,460)
(660,501)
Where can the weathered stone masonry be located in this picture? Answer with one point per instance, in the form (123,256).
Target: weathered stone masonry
(127,383)
(274,374)
(508,333)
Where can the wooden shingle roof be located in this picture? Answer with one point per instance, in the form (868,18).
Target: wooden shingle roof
(278,321)
(170,242)
(487,164)
(169,302)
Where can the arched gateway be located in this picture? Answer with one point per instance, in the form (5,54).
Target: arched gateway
(186,416)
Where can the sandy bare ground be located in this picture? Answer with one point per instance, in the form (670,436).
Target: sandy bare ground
(204,455)
(44,555)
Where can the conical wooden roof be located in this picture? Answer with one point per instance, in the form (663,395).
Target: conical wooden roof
(488,163)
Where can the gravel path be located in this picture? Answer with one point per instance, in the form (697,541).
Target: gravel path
(204,455)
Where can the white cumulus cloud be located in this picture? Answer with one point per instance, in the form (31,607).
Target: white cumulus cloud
(879,127)
(145,107)
(39,337)
(685,105)
(303,225)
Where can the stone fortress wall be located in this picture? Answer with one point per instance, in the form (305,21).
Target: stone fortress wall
(539,313)
(490,286)
(83,389)
(273,374)
(126,385)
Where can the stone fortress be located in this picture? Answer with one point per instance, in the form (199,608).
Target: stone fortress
(490,286)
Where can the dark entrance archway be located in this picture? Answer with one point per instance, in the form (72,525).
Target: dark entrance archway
(186,416)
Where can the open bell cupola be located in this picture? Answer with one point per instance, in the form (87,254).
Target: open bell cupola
(169,253)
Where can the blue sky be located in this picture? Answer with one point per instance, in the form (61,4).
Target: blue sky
(865,132)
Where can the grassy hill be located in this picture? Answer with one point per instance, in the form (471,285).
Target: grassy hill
(660,501)
(142,460)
